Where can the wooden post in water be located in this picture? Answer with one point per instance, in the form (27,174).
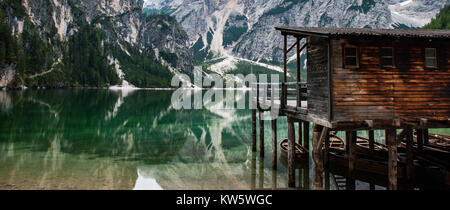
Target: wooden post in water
(350,137)
(261,133)
(291,153)
(372,140)
(409,154)
(274,179)
(306,134)
(261,173)
(254,130)
(425,136)
(326,150)
(392,161)
(253,175)
(306,175)
(274,144)
(317,156)
(419,139)
(300,133)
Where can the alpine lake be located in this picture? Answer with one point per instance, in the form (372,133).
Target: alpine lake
(136,139)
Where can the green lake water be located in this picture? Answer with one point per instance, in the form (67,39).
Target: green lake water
(104,139)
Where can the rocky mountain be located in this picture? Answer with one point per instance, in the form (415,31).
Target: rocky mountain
(245,28)
(60,43)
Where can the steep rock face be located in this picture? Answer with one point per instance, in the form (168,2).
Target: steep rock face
(169,41)
(207,22)
(123,26)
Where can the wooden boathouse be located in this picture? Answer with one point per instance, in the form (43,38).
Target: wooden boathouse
(362,79)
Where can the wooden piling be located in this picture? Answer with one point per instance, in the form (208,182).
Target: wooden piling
(318,159)
(274,144)
(409,154)
(306,135)
(261,172)
(274,179)
(261,133)
(254,130)
(425,137)
(300,133)
(350,137)
(326,150)
(419,139)
(372,140)
(392,161)
(291,154)
(253,172)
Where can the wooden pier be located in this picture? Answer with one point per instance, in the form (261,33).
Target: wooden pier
(362,79)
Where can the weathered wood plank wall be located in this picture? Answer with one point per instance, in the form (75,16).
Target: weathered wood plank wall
(407,90)
(317,70)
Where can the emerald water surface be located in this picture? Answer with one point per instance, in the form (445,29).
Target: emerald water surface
(104,139)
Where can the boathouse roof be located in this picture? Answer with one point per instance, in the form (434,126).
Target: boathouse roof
(337,32)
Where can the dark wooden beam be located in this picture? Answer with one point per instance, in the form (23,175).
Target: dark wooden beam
(261,133)
(409,154)
(274,144)
(291,154)
(254,130)
(285,59)
(299,87)
(372,140)
(306,134)
(419,139)
(290,48)
(261,172)
(392,159)
(326,151)
(350,137)
(317,157)
(253,172)
(425,136)
(300,133)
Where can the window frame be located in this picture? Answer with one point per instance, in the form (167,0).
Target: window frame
(435,58)
(392,57)
(345,57)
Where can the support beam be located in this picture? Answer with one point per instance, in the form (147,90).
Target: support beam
(306,176)
(306,135)
(274,179)
(419,139)
(274,144)
(392,161)
(290,48)
(425,136)
(318,161)
(291,154)
(350,137)
(409,154)
(323,135)
(285,58)
(300,133)
(254,130)
(372,140)
(299,87)
(253,171)
(261,133)
(261,173)
(326,151)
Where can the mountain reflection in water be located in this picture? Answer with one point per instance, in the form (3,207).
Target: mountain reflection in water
(104,139)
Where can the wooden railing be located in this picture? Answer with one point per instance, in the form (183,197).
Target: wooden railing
(289,91)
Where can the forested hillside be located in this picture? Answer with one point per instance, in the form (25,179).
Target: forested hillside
(442,20)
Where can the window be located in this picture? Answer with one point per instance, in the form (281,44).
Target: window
(430,58)
(387,56)
(351,57)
